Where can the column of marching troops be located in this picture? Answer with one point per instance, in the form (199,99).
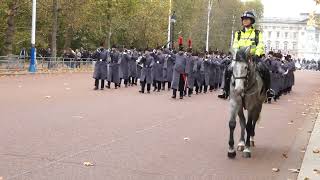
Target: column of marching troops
(186,72)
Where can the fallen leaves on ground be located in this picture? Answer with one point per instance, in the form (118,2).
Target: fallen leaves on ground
(316,151)
(88,164)
(294,170)
(316,171)
(285,155)
(78,117)
(275,169)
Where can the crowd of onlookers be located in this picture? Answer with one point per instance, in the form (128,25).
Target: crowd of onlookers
(308,64)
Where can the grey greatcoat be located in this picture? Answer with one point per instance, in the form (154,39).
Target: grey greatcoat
(114,67)
(168,67)
(206,71)
(157,68)
(133,65)
(276,76)
(198,77)
(101,66)
(213,72)
(191,70)
(178,69)
(225,68)
(147,63)
(124,66)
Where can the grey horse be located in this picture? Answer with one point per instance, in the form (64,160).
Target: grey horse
(247,92)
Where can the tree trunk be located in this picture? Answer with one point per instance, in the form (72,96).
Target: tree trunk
(54,28)
(108,37)
(10,32)
(68,38)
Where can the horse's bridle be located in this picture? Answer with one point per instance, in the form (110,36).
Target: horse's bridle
(242,77)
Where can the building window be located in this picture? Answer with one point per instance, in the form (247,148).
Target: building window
(295,34)
(302,33)
(268,44)
(278,34)
(285,45)
(294,45)
(317,37)
(286,34)
(277,44)
(269,34)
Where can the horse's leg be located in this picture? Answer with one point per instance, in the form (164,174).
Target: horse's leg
(249,126)
(255,118)
(243,128)
(232,126)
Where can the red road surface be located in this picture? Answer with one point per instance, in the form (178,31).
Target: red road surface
(51,124)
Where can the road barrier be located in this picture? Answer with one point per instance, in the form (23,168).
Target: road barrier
(18,64)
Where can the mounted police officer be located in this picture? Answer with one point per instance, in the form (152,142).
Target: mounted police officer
(248,36)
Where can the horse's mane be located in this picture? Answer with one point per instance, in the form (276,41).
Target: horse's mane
(243,54)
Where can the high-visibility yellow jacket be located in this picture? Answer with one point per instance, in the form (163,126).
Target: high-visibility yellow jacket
(247,38)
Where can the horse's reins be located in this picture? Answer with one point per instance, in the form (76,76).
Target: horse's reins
(246,89)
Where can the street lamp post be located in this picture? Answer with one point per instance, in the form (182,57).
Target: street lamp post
(169,25)
(32,67)
(232,33)
(173,20)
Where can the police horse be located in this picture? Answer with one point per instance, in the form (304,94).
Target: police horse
(247,92)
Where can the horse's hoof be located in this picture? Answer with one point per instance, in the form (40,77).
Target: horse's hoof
(252,141)
(246,153)
(232,154)
(240,146)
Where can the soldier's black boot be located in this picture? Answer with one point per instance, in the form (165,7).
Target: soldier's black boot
(148,88)
(189,92)
(109,84)
(159,86)
(224,95)
(96,84)
(143,85)
(174,95)
(163,86)
(205,89)
(169,85)
(102,84)
(181,94)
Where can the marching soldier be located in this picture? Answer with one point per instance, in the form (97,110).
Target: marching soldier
(179,69)
(157,70)
(133,68)
(198,75)
(146,79)
(191,69)
(114,68)
(124,67)
(101,66)
(168,67)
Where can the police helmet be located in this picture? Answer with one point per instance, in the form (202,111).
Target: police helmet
(249,14)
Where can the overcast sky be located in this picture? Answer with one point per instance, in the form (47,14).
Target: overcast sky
(288,8)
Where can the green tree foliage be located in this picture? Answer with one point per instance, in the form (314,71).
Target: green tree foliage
(138,23)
